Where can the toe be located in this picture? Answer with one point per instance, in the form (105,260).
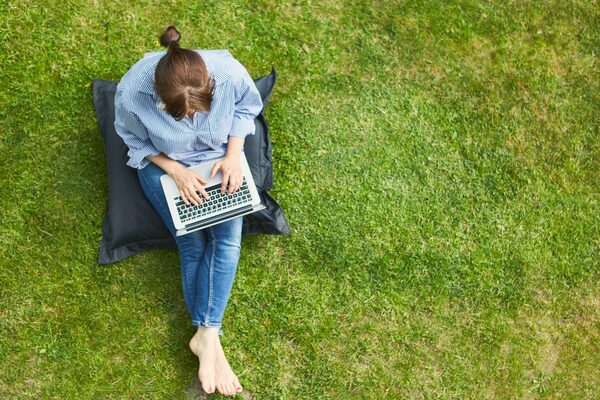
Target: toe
(230,389)
(208,384)
(236,385)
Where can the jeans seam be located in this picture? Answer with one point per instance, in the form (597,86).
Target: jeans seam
(188,273)
(210,275)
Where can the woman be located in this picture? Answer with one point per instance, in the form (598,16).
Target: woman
(175,109)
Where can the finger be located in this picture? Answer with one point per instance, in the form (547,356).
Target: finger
(204,194)
(188,198)
(184,197)
(195,196)
(202,191)
(190,195)
(224,182)
(231,185)
(215,168)
(238,183)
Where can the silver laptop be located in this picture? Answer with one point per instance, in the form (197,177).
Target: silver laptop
(219,207)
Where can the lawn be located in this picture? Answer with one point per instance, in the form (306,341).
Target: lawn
(439,164)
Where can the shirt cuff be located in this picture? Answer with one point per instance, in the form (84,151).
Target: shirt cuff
(242,126)
(137,158)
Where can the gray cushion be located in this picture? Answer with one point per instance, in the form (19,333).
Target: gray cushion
(131,224)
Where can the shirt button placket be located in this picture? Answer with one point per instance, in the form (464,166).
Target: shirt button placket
(211,141)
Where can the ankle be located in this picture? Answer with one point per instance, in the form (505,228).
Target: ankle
(207,331)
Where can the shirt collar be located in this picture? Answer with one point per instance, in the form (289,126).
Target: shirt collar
(216,70)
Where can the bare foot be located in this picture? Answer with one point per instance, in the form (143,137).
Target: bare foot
(204,346)
(226,381)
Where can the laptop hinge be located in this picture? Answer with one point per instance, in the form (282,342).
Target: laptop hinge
(220,216)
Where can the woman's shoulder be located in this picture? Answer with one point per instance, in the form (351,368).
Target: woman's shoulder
(223,60)
(215,59)
(222,64)
(141,68)
(214,53)
(137,79)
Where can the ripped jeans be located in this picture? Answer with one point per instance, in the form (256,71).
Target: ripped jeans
(208,257)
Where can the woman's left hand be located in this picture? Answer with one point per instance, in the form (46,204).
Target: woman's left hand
(231,169)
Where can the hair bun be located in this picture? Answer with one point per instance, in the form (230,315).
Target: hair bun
(170,37)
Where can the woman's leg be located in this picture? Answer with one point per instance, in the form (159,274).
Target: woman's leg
(209,260)
(217,272)
(191,247)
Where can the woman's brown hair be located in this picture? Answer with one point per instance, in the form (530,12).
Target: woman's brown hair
(181,78)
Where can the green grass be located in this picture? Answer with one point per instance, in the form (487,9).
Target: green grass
(439,163)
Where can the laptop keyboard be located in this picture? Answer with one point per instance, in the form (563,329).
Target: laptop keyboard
(216,203)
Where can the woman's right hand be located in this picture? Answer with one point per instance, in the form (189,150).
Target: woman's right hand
(188,182)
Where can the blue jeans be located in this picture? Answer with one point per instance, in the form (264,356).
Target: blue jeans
(208,257)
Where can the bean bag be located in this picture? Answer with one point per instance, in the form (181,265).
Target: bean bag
(131,224)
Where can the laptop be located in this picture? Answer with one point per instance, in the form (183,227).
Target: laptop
(219,207)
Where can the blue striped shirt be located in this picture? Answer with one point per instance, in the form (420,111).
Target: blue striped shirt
(147,129)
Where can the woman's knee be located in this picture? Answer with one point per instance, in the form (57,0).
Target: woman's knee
(230,243)
(228,233)
(192,243)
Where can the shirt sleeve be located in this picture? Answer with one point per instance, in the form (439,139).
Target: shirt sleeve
(134,134)
(248,103)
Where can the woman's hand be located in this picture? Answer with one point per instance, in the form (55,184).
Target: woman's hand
(188,182)
(231,169)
